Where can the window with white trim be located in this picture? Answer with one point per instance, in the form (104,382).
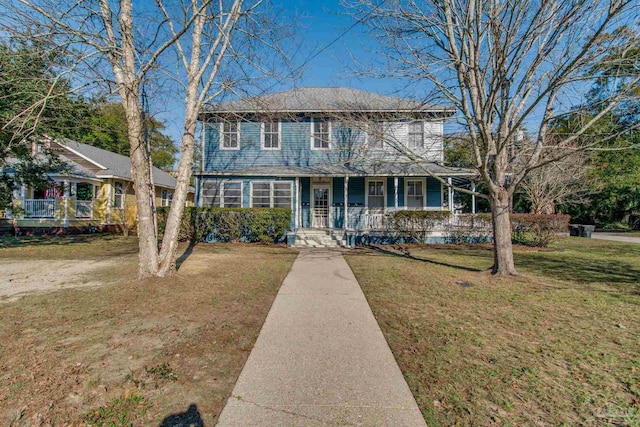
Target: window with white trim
(416,135)
(321,134)
(226,194)
(231,194)
(375,135)
(230,136)
(166,198)
(271,194)
(271,136)
(415,194)
(375,194)
(118,195)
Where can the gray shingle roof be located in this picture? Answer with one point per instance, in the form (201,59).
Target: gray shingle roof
(325,99)
(360,169)
(116,165)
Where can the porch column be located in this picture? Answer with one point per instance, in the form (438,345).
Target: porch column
(67,187)
(345,220)
(23,195)
(473,198)
(108,195)
(395,192)
(296,211)
(450,180)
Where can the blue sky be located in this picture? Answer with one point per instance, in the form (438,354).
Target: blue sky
(319,24)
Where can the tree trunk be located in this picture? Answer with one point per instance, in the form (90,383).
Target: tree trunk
(502,249)
(147,238)
(168,252)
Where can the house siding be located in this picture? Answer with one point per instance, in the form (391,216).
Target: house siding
(295,146)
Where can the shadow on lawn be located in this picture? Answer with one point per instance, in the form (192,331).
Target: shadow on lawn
(187,252)
(189,418)
(407,254)
(622,275)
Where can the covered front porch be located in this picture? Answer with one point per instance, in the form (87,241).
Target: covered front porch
(360,203)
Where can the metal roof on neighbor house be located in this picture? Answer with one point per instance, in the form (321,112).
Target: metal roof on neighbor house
(114,164)
(359,169)
(325,99)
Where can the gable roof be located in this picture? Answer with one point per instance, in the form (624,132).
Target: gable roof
(110,164)
(325,99)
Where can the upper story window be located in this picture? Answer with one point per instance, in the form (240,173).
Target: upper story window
(375,135)
(230,136)
(271,136)
(320,134)
(416,135)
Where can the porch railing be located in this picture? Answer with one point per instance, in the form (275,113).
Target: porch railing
(39,208)
(380,221)
(84,208)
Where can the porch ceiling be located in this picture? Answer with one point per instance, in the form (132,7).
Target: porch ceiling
(353,169)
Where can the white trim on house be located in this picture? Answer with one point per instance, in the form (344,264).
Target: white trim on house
(424,191)
(262,135)
(221,132)
(222,184)
(320,184)
(313,137)
(384,125)
(409,133)
(272,191)
(77,153)
(384,191)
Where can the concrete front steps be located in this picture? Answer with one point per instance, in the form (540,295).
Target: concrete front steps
(320,238)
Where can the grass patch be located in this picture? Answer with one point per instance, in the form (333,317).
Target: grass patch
(135,352)
(558,345)
(71,246)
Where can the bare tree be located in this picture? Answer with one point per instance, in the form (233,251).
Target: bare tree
(506,66)
(207,46)
(565,181)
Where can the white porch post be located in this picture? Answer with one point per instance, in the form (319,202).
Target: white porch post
(345,220)
(109,189)
(395,192)
(450,180)
(67,188)
(473,198)
(296,212)
(23,195)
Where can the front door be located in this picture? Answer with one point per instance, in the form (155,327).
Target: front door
(320,218)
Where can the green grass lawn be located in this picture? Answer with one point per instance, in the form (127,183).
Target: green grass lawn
(559,345)
(132,352)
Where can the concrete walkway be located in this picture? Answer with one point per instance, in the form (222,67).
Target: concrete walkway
(616,238)
(321,358)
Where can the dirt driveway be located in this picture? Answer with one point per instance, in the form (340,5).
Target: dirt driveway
(19,278)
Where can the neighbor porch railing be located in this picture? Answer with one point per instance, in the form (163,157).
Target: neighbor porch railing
(84,208)
(39,208)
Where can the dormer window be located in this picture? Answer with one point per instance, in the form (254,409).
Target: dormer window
(416,135)
(320,134)
(230,136)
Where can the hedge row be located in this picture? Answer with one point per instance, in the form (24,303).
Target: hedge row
(528,229)
(230,224)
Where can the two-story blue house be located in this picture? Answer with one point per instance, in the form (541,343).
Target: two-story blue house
(339,158)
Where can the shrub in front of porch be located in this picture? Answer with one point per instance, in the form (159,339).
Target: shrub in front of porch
(267,225)
(416,225)
(538,230)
